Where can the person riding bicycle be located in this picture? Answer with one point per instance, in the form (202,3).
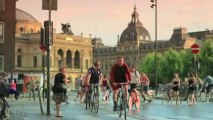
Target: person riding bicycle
(192,86)
(119,73)
(208,83)
(93,76)
(175,85)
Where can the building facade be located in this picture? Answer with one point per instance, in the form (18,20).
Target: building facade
(7,35)
(71,51)
(135,42)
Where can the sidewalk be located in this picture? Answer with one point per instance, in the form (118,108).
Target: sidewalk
(23,109)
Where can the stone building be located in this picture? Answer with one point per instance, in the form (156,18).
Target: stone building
(68,50)
(135,42)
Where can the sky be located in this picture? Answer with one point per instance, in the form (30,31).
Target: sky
(106,19)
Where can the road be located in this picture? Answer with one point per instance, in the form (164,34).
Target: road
(154,111)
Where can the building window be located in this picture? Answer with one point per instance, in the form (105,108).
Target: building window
(1,32)
(77,60)
(21,29)
(69,59)
(34,61)
(19,60)
(86,64)
(2,5)
(1,63)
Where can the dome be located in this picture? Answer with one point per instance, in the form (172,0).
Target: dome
(23,16)
(135,30)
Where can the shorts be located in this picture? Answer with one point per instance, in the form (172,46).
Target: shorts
(117,87)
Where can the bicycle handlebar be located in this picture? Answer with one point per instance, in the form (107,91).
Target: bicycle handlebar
(120,83)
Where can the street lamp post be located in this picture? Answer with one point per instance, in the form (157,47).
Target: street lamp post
(138,45)
(154,4)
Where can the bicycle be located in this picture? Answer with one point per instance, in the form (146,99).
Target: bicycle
(145,96)
(94,98)
(4,106)
(174,96)
(122,105)
(204,95)
(189,97)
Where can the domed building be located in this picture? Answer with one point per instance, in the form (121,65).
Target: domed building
(71,51)
(135,30)
(135,42)
(26,23)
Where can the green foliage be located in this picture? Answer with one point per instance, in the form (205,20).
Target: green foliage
(206,58)
(181,62)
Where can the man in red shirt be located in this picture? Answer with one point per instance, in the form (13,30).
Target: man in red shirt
(120,73)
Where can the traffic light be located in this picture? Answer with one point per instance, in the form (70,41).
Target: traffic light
(42,45)
(48,30)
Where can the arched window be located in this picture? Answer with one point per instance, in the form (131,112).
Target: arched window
(77,60)
(60,58)
(69,59)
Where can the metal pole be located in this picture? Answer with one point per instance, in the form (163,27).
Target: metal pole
(138,44)
(48,62)
(156,80)
(43,67)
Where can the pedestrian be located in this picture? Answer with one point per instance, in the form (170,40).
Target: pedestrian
(45,90)
(31,86)
(13,91)
(120,73)
(105,89)
(144,83)
(59,90)
(78,82)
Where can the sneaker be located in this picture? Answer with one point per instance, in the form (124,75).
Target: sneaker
(115,108)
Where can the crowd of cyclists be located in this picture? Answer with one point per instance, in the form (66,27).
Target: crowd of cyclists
(135,86)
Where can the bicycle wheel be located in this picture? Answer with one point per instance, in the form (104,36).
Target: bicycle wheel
(203,96)
(124,106)
(96,103)
(165,98)
(189,100)
(91,103)
(87,101)
(120,109)
(197,94)
(178,101)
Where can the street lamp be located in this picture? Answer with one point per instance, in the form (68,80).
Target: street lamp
(138,45)
(154,4)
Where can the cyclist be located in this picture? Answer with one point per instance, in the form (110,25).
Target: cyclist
(93,76)
(119,73)
(208,83)
(175,86)
(192,86)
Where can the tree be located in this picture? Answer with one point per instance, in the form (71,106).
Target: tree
(206,58)
(171,63)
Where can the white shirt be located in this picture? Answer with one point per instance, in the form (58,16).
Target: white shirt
(135,76)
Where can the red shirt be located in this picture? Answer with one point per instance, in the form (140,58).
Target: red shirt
(120,73)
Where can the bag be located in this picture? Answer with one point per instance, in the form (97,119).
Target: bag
(59,88)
